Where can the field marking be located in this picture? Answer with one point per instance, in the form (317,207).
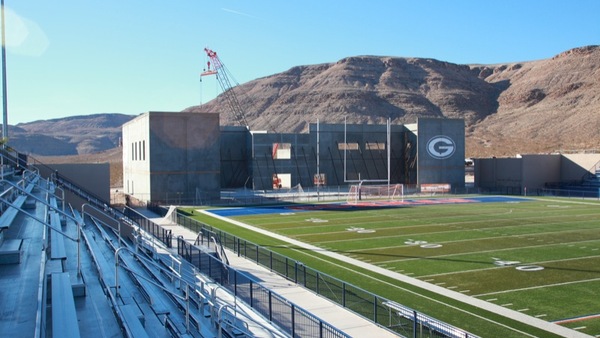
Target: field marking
(492,236)
(480,252)
(537,287)
(563,201)
(453,225)
(511,314)
(576,319)
(502,267)
(450,224)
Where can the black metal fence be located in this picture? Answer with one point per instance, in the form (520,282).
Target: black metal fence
(400,319)
(162,234)
(294,320)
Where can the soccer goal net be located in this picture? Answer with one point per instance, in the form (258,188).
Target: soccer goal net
(387,192)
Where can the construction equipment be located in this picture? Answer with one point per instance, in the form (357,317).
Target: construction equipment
(224,79)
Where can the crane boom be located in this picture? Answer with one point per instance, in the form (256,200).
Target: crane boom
(223,78)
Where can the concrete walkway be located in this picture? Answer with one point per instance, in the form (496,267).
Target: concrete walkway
(512,314)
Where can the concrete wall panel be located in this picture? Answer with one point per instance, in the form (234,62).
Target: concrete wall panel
(441,151)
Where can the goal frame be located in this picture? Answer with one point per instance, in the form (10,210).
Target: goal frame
(375,192)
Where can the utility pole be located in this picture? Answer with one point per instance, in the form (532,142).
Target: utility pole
(4,101)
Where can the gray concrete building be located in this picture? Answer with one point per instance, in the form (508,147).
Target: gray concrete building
(530,173)
(172,157)
(169,157)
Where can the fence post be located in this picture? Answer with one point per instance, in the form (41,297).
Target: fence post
(317,283)
(375,309)
(414,323)
(251,294)
(293,308)
(235,284)
(343,294)
(270,306)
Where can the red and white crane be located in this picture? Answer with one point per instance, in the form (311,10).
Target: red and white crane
(224,79)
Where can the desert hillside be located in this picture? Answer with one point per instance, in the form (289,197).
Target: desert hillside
(526,107)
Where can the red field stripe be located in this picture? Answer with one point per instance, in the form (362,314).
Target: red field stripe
(576,319)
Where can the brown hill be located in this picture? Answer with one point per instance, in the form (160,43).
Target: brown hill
(74,135)
(527,107)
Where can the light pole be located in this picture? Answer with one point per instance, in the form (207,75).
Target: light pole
(4,100)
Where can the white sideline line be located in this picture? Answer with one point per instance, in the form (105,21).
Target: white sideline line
(564,201)
(537,287)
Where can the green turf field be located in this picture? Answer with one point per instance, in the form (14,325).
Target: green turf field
(540,256)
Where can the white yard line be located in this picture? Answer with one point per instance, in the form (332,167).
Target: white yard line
(537,287)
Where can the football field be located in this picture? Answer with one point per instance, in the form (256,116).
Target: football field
(538,256)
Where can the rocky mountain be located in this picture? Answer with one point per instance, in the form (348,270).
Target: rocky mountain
(523,107)
(520,107)
(76,135)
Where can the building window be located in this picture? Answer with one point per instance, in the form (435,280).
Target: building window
(348,146)
(375,146)
(143,150)
(282,151)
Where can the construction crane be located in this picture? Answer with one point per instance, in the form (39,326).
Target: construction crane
(223,77)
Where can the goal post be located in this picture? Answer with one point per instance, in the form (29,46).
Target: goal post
(365,192)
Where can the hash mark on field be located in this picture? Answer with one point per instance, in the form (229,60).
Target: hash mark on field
(440,283)
(429,280)
(465,291)
(542,315)
(507,304)
(452,287)
(491,299)
(523,310)
(579,328)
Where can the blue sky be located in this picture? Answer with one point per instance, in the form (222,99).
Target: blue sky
(81,57)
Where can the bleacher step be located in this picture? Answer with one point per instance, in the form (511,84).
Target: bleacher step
(10,251)
(77,284)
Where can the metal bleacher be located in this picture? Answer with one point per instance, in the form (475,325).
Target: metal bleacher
(586,187)
(66,272)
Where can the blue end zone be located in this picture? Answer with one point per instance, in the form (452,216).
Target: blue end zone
(366,205)
(252,211)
